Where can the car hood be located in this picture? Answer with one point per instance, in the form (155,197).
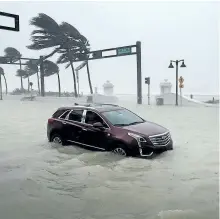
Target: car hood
(146,128)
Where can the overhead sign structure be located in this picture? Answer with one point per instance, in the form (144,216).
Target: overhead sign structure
(118,52)
(16,22)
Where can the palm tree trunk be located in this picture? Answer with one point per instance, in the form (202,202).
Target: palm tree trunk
(38,82)
(89,79)
(74,80)
(22,87)
(58,78)
(0,87)
(6,86)
(74,75)
(28,84)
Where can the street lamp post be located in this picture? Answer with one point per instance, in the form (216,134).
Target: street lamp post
(177,66)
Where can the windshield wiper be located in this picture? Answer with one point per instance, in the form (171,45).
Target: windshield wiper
(122,124)
(134,123)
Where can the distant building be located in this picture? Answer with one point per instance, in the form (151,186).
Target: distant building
(108,88)
(165,87)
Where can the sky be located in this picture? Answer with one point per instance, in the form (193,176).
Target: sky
(167,30)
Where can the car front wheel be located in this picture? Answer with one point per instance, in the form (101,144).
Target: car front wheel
(120,151)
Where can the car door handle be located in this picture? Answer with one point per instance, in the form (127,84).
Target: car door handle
(84,129)
(64,123)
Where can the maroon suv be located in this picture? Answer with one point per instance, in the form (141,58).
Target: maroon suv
(108,127)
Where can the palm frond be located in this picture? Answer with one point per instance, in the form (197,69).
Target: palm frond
(46,23)
(21,73)
(50,68)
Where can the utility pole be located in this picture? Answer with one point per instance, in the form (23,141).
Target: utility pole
(139,77)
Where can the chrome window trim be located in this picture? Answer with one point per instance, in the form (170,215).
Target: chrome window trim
(67,117)
(63,114)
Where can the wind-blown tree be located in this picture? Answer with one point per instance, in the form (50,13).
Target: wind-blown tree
(74,53)
(32,68)
(15,55)
(49,34)
(28,77)
(2,73)
(51,68)
(21,73)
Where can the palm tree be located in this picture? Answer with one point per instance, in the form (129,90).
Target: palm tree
(3,74)
(21,73)
(32,68)
(51,68)
(15,55)
(59,37)
(26,75)
(74,53)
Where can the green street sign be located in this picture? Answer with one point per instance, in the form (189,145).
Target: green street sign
(124,51)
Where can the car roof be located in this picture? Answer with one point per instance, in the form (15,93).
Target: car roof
(93,106)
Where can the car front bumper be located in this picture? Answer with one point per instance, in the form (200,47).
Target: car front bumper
(150,150)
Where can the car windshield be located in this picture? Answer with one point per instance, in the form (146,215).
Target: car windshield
(122,117)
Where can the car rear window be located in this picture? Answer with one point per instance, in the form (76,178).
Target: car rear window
(63,116)
(58,113)
(76,115)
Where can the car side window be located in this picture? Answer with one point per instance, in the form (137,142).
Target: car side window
(63,116)
(92,118)
(76,115)
(58,113)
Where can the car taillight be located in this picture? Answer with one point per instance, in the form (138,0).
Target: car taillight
(50,120)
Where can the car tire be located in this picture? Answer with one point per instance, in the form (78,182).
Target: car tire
(120,150)
(57,139)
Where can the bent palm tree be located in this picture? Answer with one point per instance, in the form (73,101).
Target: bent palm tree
(21,73)
(59,37)
(50,68)
(75,52)
(32,68)
(3,74)
(15,55)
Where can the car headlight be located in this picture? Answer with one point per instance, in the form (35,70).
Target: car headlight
(137,137)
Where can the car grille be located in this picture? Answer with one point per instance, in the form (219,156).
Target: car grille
(160,140)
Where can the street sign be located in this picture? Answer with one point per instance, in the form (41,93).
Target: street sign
(147,80)
(97,54)
(181,79)
(16,22)
(181,86)
(123,51)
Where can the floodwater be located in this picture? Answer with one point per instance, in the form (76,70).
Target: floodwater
(39,180)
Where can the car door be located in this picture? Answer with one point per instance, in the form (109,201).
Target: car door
(93,137)
(73,123)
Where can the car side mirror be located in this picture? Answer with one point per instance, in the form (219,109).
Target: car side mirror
(98,125)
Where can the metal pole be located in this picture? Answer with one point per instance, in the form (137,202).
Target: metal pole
(181,96)
(89,79)
(177,82)
(42,76)
(139,78)
(148,94)
(0,87)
